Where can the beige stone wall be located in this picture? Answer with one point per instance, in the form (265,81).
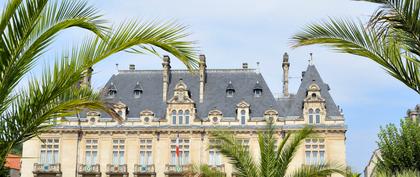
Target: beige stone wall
(334,141)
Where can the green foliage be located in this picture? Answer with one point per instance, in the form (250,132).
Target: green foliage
(399,148)
(274,162)
(391,38)
(28,27)
(404,173)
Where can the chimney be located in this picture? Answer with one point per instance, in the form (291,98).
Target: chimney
(285,66)
(87,76)
(244,65)
(202,68)
(132,67)
(166,64)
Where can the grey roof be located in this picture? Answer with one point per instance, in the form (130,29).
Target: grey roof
(243,81)
(310,76)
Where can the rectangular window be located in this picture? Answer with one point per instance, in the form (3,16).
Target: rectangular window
(314,151)
(91,152)
(146,152)
(215,157)
(184,152)
(49,151)
(118,150)
(244,143)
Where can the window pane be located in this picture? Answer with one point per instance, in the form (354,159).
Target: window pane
(308,157)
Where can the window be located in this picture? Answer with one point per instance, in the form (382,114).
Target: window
(91,152)
(187,117)
(317,116)
(229,93)
(215,157)
(174,117)
(145,153)
(49,151)
(112,93)
(184,152)
(314,151)
(257,92)
(180,117)
(311,116)
(243,117)
(244,143)
(118,152)
(137,93)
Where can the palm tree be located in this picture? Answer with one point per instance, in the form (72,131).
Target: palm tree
(391,38)
(28,27)
(273,162)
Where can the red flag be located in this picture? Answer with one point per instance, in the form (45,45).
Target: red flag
(177,147)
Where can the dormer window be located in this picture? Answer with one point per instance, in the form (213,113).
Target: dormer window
(138,90)
(257,89)
(112,91)
(230,91)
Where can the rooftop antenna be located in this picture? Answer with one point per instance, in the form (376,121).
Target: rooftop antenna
(311,60)
(258,67)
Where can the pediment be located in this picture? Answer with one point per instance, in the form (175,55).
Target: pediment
(120,105)
(181,94)
(243,104)
(215,112)
(147,112)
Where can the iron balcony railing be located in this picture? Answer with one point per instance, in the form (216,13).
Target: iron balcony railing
(178,168)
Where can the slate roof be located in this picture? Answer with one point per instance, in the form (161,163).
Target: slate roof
(243,81)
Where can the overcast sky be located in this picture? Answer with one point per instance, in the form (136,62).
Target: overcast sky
(236,31)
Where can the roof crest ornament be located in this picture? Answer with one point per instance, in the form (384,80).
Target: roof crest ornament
(311,59)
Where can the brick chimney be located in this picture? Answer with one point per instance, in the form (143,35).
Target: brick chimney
(166,64)
(285,66)
(202,70)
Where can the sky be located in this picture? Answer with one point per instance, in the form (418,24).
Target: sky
(236,31)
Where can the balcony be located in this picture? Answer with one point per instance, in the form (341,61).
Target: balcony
(144,170)
(89,170)
(47,170)
(116,170)
(177,171)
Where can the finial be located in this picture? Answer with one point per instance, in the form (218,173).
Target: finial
(311,60)
(258,67)
(116,66)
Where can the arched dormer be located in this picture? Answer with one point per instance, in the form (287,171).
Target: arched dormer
(138,90)
(180,108)
(314,109)
(112,90)
(147,116)
(242,112)
(271,115)
(215,116)
(121,109)
(258,90)
(230,90)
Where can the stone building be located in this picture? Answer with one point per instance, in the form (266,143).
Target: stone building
(165,108)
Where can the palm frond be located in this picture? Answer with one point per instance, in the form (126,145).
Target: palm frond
(349,37)
(239,156)
(319,170)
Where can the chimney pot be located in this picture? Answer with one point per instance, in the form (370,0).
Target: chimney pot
(132,67)
(245,65)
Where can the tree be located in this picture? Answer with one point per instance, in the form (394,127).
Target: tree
(273,162)
(400,148)
(391,38)
(28,27)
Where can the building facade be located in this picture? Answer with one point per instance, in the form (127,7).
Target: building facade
(165,109)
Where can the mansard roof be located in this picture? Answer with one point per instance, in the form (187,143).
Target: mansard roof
(217,81)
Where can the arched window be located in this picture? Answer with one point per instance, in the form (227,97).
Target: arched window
(311,116)
(187,117)
(180,117)
(317,116)
(243,117)
(174,117)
